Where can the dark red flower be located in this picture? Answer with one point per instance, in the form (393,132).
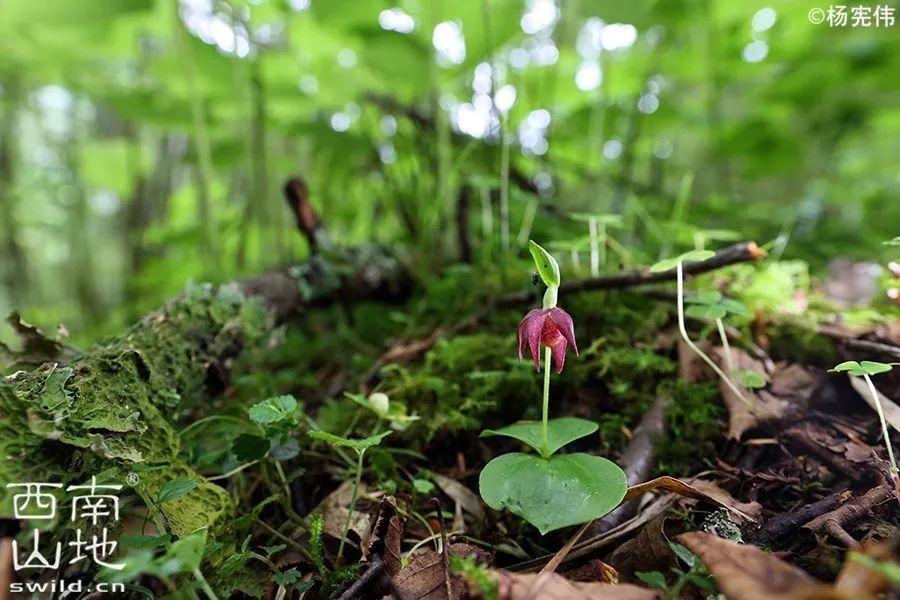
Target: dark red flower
(552,327)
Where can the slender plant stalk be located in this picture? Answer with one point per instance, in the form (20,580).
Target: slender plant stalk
(725,345)
(884,427)
(687,340)
(205,585)
(595,247)
(545,446)
(353,497)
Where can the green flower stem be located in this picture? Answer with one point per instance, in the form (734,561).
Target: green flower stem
(687,340)
(353,497)
(545,446)
(884,427)
(595,246)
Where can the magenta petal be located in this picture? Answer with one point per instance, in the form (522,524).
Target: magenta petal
(522,336)
(566,326)
(558,351)
(534,327)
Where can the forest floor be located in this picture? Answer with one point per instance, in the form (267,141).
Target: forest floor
(786,494)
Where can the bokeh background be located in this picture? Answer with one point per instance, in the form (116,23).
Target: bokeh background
(144,143)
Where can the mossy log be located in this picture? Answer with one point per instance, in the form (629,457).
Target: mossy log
(112,410)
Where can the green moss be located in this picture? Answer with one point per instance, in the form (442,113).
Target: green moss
(116,405)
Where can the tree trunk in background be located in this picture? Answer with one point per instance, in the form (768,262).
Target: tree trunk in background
(148,205)
(81,266)
(15,271)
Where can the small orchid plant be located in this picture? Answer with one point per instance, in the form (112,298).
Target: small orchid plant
(550,490)
(867,369)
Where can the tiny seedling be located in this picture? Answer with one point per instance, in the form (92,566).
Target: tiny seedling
(712,306)
(677,263)
(360,447)
(866,369)
(550,490)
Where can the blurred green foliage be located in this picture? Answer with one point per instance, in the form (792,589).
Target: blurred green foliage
(144,142)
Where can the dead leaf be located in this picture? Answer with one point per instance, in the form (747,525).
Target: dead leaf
(334,508)
(788,393)
(891,410)
(424,578)
(593,570)
(463,496)
(857,577)
(552,586)
(647,551)
(723,497)
(677,486)
(744,572)
(37,348)
(386,536)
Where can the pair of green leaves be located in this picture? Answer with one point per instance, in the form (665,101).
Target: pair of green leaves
(866,367)
(556,491)
(358,445)
(712,305)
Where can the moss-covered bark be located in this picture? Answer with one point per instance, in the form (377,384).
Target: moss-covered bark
(112,410)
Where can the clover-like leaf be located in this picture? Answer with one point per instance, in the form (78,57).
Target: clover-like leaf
(340,442)
(547,267)
(749,379)
(692,256)
(566,489)
(273,410)
(559,432)
(866,367)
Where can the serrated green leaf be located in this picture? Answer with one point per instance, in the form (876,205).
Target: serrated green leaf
(172,490)
(340,442)
(273,410)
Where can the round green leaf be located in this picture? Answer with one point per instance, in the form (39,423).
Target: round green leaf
(566,489)
(559,432)
(547,266)
(749,379)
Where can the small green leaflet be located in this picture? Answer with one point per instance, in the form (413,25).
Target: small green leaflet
(273,410)
(547,267)
(866,367)
(172,490)
(339,442)
(692,256)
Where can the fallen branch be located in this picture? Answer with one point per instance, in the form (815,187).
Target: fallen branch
(834,522)
(786,523)
(734,254)
(114,405)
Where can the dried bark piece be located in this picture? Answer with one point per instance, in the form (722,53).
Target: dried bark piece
(745,572)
